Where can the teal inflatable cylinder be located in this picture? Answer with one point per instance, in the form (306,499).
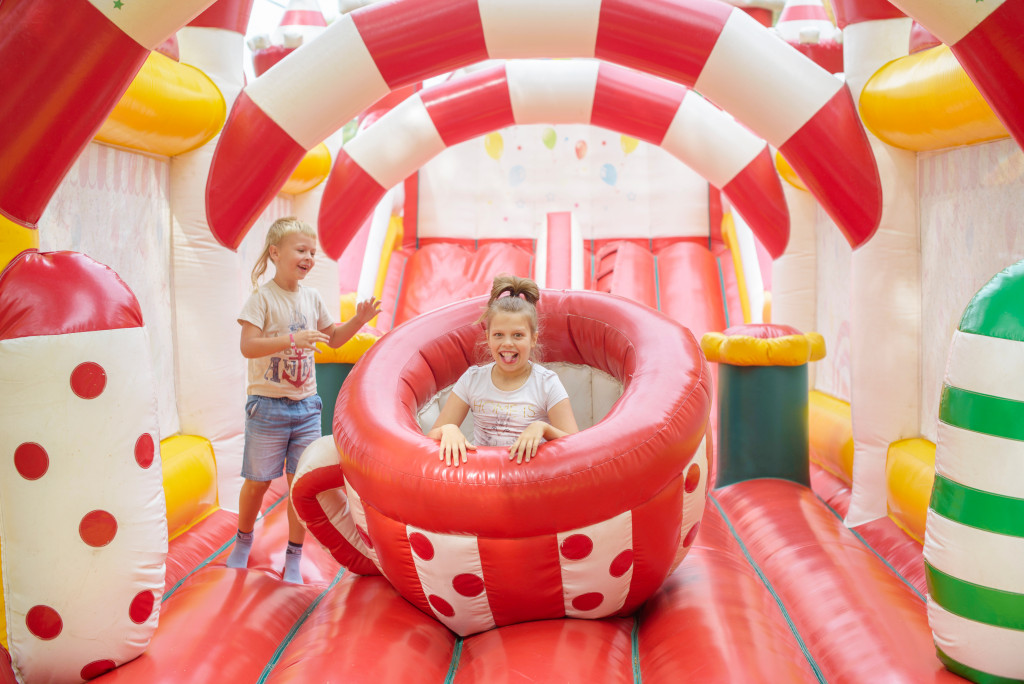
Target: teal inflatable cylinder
(329,378)
(762,423)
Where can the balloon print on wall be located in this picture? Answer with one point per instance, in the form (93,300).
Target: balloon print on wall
(549,137)
(581,149)
(628,143)
(516,175)
(608,174)
(494,145)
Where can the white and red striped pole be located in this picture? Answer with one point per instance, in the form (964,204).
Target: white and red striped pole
(65,66)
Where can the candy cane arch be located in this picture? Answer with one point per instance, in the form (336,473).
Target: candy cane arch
(590,528)
(717,49)
(71,62)
(524,92)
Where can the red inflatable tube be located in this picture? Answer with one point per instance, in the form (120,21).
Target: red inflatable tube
(457,542)
(664,407)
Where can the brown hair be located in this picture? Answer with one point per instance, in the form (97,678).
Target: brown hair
(523,295)
(279,230)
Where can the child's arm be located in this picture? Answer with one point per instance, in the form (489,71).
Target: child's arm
(563,422)
(446,430)
(254,344)
(341,333)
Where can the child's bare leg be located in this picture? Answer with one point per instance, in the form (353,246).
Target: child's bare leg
(249,501)
(296,535)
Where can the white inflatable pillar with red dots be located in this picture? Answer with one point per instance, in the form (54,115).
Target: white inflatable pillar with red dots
(82,513)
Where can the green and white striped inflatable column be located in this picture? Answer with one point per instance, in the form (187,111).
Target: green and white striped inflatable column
(974,539)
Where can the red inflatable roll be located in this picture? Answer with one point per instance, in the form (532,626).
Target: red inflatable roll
(589,528)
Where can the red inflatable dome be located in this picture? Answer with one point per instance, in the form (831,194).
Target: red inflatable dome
(590,528)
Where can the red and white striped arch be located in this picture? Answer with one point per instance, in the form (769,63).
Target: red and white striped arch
(534,91)
(719,50)
(986,39)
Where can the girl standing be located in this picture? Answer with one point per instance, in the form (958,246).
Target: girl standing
(282,321)
(516,403)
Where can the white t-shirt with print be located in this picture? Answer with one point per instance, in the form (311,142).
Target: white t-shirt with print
(499,417)
(276,311)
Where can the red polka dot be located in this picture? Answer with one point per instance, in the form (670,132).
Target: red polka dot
(421,546)
(145,450)
(441,606)
(97,528)
(141,607)
(365,537)
(692,534)
(585,602)
(692,479)
(31,460)
(97,668)
(622,563)
(88,380)
(468,584)
(43,622)
(577,546)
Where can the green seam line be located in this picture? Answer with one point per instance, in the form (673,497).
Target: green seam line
(295,629)
(984,413)
(977,508)
(771,590)
(872,549)
(975,602)
(968,672)
(213,555)
(721,286)
(635,639)
(657,286)
(453,666)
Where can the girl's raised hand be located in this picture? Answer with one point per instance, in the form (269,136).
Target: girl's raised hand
(454,445)
(367,309)
(307,339)
(527,442)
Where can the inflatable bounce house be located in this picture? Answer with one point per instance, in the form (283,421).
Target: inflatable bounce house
(783,283)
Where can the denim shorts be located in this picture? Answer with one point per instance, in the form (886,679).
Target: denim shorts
(277,431)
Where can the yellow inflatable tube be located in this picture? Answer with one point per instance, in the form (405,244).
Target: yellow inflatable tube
(909,474)
(172,108)
(729,237)
(831,431)
(190,481)
(15,239)
(169,108)
(926,101)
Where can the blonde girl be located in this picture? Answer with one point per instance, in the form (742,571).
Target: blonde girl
(516,403)
(282,322)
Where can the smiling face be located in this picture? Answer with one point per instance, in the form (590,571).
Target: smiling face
(511,341)
(293,258)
